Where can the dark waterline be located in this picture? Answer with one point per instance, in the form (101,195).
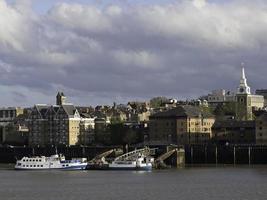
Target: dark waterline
(207,183)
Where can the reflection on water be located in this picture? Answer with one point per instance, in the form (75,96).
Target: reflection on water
(190,183)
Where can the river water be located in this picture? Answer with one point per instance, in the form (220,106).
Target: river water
(207,183)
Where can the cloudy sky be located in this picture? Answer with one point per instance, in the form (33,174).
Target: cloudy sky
(101,51)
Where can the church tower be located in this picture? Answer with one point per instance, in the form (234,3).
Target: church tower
(61,98)
(243,99)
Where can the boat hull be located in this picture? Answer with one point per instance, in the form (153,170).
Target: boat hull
(133,166)
(97,167)
(75,167)
(147,168)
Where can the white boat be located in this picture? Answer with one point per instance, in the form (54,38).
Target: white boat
(52,162)
(141,162)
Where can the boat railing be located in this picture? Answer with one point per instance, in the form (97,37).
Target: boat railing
(134,154)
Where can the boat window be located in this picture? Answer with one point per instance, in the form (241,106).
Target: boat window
(27,165)
(30,165)
(41,165)
(63,165)
(37,165)
(40,160)
(23,165)
(34,165)
(27,160)
(19,164)
(23,160)
(30,160)
(67,165)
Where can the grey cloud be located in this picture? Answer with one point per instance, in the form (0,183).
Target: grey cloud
(181,49)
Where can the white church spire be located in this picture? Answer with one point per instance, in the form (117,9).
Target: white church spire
(243,73)
(243,86)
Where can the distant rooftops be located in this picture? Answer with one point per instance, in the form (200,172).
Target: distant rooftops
(183,111)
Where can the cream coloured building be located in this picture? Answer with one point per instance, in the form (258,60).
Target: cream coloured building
(87,127)
(181,125)
(54,125)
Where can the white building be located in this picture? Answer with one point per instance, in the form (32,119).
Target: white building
(87,127)
(220,96)
(255,102)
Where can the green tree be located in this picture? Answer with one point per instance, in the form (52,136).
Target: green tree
(228,108)
(156,102)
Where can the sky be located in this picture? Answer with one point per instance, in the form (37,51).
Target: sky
(105,51)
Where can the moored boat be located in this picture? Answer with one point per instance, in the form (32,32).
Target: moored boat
(141,162)
(52,162)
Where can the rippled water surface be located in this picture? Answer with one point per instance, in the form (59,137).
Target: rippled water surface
(190,183)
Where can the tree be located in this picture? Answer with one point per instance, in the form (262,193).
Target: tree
(115,120)
(228,108)
(156,102)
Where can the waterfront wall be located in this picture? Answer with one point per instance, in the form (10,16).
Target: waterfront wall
(226,154)
(194,154)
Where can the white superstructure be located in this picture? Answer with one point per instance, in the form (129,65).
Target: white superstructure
(135,160)
(52,162)
(140,163)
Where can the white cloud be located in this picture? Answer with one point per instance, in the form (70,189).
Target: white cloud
(138,59)
(5,67)
(81,17)
(199,3)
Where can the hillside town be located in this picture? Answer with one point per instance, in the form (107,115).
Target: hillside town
(221,117)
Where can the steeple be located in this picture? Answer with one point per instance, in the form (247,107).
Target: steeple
(243,86)
(243,73)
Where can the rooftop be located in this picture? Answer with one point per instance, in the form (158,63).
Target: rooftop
(183,111)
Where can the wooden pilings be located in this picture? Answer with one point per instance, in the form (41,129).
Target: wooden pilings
(226,154)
